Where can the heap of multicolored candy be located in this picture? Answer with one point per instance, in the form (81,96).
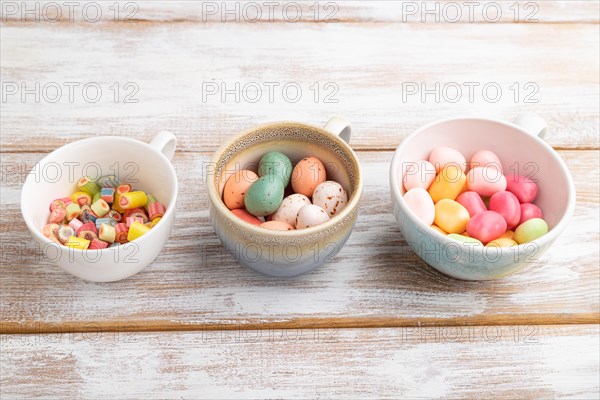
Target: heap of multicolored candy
(475,202)
(102,213)
(259,199)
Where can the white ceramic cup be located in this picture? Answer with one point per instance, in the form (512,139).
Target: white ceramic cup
(146,166)
(520,150)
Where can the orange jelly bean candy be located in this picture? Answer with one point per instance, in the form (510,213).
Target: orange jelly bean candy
(448,184)
(451,216)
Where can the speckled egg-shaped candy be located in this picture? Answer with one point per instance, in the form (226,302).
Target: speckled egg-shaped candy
(331,197)
(277,226)
(311,215)
(276,163)
(264,196)
(288,210)
(307,175)
(236,187)
(246,216)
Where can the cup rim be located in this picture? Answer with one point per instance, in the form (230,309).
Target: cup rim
(353,201)
(399,200)
(170,210)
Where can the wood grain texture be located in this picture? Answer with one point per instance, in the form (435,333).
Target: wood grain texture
(253,12)
(466,362)
(376,280)
(367,69)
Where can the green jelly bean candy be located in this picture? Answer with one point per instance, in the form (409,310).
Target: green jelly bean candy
(464,239)
(531,229)
(264,196)
(277,164)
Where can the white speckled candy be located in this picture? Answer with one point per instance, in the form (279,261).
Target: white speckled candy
(418,174)
(331,197)
(310,215)
(420,203)
(288,210)
(442,156)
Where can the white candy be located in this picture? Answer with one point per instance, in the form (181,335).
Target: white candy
(288,210)
(311,215)
(331,197)
(419,174)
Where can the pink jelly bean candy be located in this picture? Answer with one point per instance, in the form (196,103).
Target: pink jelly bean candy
(524,188)
(485,181)
(420,203)
(418,174)
(472,202)
(442,156)
(507,205)
(529,211)
(485,158)
(486,226)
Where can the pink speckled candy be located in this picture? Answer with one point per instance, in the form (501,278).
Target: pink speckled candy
(524,188)
(530,211)
(485,181)
(485,158)
(418,174)
(442,157)
(420,203)
(472,202)
(506,204)
(486,226)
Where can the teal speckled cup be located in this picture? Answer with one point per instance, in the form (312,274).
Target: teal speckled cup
(295,252)
(519,149)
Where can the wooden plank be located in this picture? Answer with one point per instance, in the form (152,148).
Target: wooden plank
(376,280)
(367,72)
(459,362)
(252,12)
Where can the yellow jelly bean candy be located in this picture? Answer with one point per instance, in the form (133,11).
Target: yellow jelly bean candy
(448,184)
(440,230)
(451,216)
(509,234)
(502,242)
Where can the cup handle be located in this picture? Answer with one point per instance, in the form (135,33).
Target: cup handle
(165,142)
(339,127)
(531,123)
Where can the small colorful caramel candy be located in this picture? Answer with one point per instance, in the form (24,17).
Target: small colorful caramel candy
(65,232)
(97,244)
(75,242)
(88,231)
(81,198)
(87,185)
(100,208)
(108,181)
(156,210)
(131,200)
(60,203)
(57,215)
(107,233)
(73,211)
(136,230)
(121,230)
(107,194)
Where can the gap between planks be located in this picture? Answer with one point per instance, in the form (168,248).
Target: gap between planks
(356,149)
(38,328)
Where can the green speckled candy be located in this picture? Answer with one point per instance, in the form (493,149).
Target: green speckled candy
(465,239)
(530,230)
(264,196)
(277,164)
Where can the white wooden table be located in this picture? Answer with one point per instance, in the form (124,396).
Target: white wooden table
(375,321)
